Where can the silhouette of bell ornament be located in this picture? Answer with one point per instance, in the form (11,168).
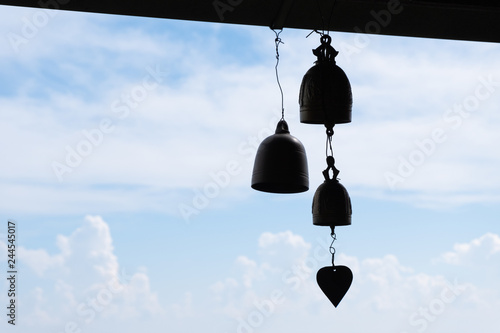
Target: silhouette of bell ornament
(334,281)
(325,95)
(331,204)
(281,164)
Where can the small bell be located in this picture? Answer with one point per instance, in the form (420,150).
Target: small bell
(281,163)
(331,203)
(325,95)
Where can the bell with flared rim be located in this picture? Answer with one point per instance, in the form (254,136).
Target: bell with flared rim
(281,163)
(325,95)
(331,203)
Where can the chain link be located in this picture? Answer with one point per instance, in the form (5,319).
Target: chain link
(332,249)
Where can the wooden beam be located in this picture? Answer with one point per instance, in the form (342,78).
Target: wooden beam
(449,19)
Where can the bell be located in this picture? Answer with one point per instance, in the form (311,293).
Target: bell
(281,163)
(325,95)
(331,204)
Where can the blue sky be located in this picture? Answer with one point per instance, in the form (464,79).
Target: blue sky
(167,110)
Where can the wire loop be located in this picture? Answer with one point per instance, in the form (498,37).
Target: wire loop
(277,42)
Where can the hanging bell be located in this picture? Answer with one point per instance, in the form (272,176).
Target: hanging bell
(331,203)
(281,163)
(325,95)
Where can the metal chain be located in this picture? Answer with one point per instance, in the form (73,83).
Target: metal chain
(330,161)
(329,137)
(332,249)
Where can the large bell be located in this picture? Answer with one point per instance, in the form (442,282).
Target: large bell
(281,163)
(325,95)
(331,204)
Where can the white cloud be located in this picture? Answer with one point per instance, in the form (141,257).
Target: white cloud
(83,283)
(477,252)
(274,291)
(184,309)
(391,296)
(39,260)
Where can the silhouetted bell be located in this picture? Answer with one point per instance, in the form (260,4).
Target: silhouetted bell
(325,95)
(281,163)
(331,203)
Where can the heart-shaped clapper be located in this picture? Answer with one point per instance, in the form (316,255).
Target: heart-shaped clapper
(334,281)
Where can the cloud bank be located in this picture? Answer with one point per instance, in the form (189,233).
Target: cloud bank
(83,286)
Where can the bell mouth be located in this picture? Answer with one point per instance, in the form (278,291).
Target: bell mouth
(282,188)
(324,221)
